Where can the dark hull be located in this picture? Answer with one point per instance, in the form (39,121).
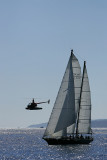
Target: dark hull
(65,141)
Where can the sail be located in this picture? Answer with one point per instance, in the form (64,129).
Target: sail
(77,88)
(84,119)
(64,112)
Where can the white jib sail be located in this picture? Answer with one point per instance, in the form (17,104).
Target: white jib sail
(63,113)
(84,123)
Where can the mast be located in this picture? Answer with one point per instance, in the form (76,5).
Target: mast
(80,98)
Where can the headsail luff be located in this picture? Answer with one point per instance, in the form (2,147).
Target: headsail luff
(84,114)
(64,112)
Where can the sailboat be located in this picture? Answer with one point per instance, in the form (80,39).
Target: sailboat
(70,120)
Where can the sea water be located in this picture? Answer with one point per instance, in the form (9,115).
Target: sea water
(27,144)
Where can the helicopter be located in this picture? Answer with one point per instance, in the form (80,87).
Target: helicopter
(33,105)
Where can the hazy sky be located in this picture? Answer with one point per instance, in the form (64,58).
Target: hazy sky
(36,37)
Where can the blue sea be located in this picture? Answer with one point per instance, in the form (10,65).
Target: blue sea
(27,144)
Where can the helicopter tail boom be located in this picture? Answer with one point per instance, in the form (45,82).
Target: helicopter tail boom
(44,102)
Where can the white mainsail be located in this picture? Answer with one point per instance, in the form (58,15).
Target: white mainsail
(67,102)
(77,88)
(84,119)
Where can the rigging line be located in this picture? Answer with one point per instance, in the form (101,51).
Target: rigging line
(80,57)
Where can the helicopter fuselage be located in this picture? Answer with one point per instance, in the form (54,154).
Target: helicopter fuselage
(33,106)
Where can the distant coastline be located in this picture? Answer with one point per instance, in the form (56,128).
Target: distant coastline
(98,123)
